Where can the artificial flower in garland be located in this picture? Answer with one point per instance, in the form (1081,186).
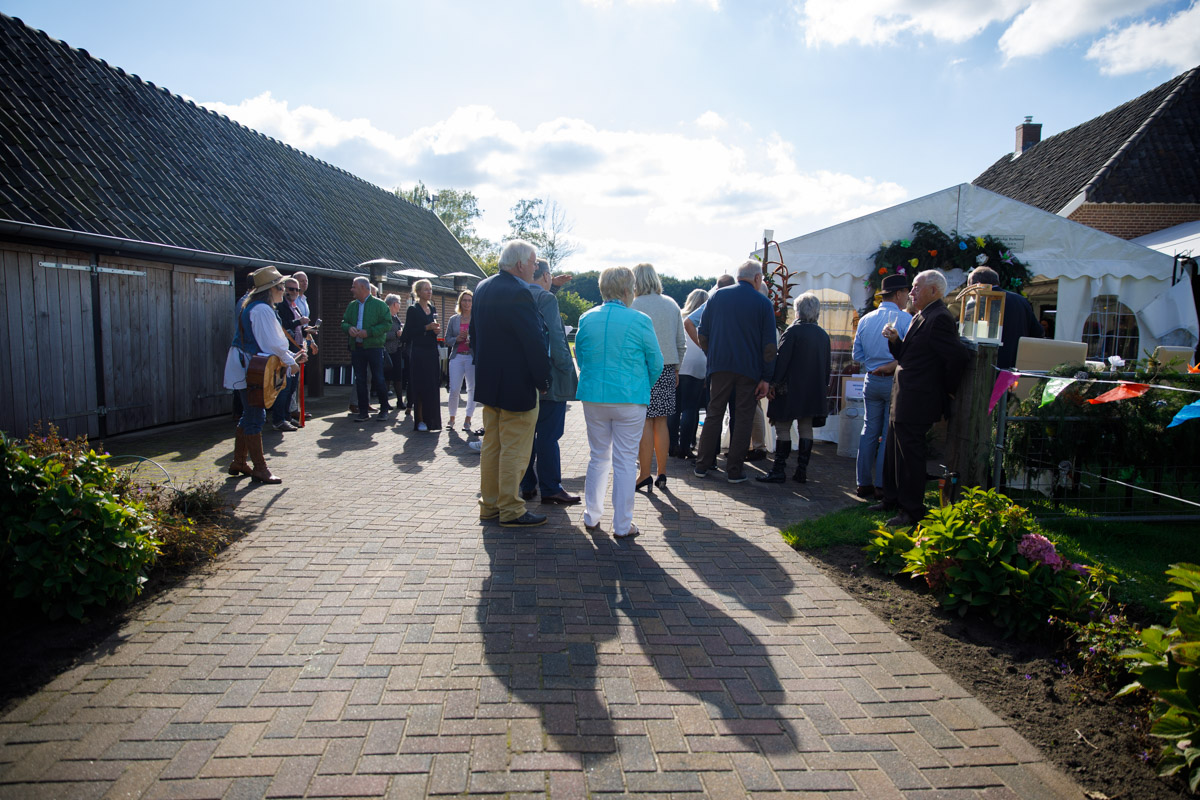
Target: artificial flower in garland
(931,248)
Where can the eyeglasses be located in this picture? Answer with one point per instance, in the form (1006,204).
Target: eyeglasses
(293,291)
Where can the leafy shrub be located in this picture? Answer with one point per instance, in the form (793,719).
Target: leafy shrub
(1167,663)
(1099,644)
(72,540)
(984,552)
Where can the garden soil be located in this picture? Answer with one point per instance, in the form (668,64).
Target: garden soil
(1101,742)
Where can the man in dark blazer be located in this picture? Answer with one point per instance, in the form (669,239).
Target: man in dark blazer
(512,367)
(930,361)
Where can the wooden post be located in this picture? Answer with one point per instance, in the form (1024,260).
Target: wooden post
(969,432)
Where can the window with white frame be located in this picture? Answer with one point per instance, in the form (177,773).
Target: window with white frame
(1110,330)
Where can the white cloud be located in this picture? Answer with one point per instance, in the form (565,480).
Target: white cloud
(870,22)
(703,199)
(715,5)
(1034,27)
(1047,24)
(1174,43)
(710,121)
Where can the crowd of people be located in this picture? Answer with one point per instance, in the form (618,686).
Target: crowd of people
(642,368)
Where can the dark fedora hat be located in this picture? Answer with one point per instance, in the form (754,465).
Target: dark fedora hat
(895,283)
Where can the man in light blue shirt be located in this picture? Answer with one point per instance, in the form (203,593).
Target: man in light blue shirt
(871,350)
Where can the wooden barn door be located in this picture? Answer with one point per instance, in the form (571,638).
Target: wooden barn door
(138,333)
(201,329)
(47,352)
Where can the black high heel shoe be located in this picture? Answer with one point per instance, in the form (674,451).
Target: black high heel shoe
(646,484)
(661,483)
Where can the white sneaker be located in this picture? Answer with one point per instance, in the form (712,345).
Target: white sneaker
(421,426)
(476,445)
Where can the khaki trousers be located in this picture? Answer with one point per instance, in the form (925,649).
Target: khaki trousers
(507,443)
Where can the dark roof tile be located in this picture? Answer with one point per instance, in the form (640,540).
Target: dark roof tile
(94,149)
(1144,151)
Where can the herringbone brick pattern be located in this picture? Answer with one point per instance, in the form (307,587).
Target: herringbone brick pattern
(371,638)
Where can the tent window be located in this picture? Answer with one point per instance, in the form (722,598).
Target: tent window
(1110,330)
(838,320)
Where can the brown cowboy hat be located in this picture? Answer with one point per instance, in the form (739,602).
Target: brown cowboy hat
(266,278)
(895,283)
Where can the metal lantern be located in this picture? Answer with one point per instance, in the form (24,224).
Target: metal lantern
(981,313)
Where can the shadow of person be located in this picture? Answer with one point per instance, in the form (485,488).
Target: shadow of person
(701,650)
(347,435)
(542,629)
(419,448)
(550,612)
(759,584)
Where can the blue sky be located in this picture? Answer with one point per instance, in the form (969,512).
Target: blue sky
(671,131)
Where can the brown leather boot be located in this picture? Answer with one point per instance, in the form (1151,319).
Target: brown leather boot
(239,465)
(260,473)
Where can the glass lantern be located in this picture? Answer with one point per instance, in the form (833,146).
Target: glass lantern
(981,313)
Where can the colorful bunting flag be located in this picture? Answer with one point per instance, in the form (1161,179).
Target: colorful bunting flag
(1054,388)
(1125,391)
(1187,412)
(1004,381)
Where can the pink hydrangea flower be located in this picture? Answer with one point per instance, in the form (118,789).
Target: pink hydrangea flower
(1038,548)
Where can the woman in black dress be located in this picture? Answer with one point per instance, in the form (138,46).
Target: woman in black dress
(798,391)
(424,377)
(396,373)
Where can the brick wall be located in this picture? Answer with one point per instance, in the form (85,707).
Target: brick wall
(1131,220)
(335,296)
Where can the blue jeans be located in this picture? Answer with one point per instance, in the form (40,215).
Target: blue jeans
(689,399)
(552,417)
(877,394)
(362,358)
(279,411)
(253,419)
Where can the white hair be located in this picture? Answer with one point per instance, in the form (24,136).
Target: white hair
(935,277)
(518,251)
(808,307)
(361,280)
(393,300)
(748,269)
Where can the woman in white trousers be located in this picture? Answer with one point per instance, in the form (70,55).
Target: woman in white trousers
(619,360)
(462,358)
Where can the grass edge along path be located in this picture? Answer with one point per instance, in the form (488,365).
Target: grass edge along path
(1138,553)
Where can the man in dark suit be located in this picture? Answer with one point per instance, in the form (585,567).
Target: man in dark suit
(930,361)
(512,366)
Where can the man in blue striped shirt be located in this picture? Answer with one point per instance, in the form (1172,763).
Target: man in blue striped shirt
(871,350)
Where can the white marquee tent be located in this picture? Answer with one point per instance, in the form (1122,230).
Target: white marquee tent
(1086,262)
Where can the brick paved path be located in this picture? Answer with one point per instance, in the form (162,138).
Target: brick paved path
(370,638)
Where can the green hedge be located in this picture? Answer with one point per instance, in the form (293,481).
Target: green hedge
(73,539)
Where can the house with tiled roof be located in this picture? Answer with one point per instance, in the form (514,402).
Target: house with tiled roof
(129,220)
(1128,172)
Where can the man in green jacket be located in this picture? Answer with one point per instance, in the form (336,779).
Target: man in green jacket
(367,321)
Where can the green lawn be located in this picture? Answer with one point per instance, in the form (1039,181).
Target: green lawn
(1138,553)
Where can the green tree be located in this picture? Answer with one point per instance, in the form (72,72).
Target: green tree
(584,284)
(678,289)
(571,306)
(546,226)
(458,210)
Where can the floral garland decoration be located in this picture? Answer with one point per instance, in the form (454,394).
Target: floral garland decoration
(931,248)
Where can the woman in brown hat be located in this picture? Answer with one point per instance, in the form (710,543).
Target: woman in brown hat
(258,332)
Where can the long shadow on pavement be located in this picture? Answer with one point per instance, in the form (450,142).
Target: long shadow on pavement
(560,609)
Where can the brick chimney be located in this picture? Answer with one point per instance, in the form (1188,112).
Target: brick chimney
(1029,133)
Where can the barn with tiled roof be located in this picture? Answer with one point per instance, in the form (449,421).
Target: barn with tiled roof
(128,215)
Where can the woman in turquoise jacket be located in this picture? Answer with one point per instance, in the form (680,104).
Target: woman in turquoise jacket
(619,360)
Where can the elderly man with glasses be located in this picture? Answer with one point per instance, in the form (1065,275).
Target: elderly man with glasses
(293,328)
